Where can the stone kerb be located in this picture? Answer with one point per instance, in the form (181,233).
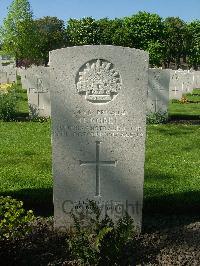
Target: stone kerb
(158,91)
(98,102)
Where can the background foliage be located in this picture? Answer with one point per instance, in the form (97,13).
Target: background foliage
(171,42)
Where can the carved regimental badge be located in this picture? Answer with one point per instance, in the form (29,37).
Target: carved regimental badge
(98,81)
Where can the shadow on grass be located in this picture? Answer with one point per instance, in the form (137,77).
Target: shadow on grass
(38,200)
(186,203)
(183,204)
(158,201)
(182,117)
(20,117)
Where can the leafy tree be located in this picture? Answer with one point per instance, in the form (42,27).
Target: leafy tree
(155,49)
(51,34)
(83,31)
(175,36)
(145,31)
(194,43)
(111,31)
(105,31)
(18,32)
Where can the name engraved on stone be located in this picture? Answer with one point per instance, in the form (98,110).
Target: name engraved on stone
(98,81)
(98,164)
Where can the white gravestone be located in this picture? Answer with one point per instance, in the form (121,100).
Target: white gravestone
(36,79)
(3,77)
(182,82)
(196,79)
(11,73)
(98,101)
(22,73)
(158,91)
(187,82)
(175,85)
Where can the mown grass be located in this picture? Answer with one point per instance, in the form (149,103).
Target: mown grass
(188,110)
(25,162)
(22,105)
(171,170)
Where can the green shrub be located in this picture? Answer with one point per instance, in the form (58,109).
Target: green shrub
(8,105)
(17,88)
(100,241)
(157,118)
(14,220)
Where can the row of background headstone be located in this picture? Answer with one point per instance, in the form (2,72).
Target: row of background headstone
(183,81)
(164,85)
(7,70)
(36,81)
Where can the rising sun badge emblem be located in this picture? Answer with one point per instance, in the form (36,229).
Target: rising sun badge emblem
(98,81)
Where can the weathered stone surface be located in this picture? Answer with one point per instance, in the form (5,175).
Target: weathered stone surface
(36,80)
(158,91)
(3,77)
(175,86)
(187,82)
(98,101)
(11,73)
(196,79)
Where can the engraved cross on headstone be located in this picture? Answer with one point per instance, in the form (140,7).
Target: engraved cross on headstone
(40,89)
(175,90)
(98,164)
(156,104)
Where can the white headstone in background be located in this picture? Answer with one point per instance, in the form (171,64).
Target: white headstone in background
(22,73)
(175,85)
(187,82)
(182,82)
(36,80)
(11,73)
(98,101)
(3,77)
(158,91)
(196,79)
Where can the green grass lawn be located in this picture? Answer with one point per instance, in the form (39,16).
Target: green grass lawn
(172,167)
(25,162)
(22,105)
(172,173)
(184,111)
(188,110)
